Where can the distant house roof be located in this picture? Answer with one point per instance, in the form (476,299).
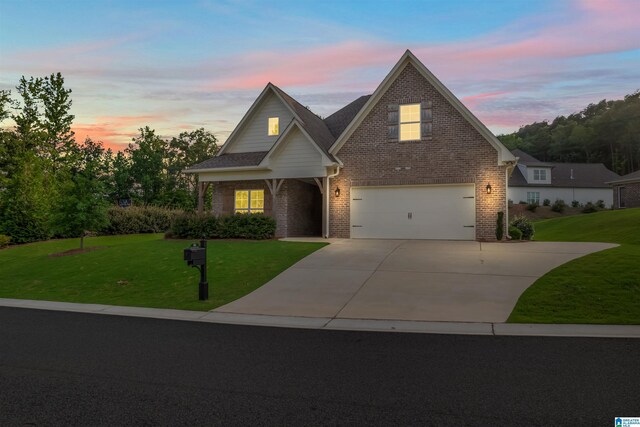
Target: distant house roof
(231,160)
(573,175)
(338,121)
(528,159)
(631,177)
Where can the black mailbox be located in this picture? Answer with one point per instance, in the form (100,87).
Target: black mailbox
(195,255)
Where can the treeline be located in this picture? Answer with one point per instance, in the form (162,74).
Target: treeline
(54,186)
(607,132)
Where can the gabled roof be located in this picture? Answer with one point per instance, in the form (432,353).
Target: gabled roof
(630,177)
(571,175)
(230,160)
(312,124)
(338,121)
(527,159)
(409,58)
(328,159)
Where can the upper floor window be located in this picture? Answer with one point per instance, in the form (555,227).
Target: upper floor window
(274,126)
(409,122)
(539,174)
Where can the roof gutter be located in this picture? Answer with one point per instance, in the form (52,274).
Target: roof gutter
(232,169)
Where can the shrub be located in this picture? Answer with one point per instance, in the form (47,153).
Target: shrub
(600,204)
(589,208)
(248,226)
(139,219)
(515,233)
(500,225)
(558,206)
(575,204)
(239,226)
(195,226)
(546,202)
(4,241)
(525,226)
(532,207)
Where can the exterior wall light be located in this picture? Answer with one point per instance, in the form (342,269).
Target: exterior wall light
(488,188)
(337,191)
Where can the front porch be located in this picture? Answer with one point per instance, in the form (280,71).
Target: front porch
(298,205)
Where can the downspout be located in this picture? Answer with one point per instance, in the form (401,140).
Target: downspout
(328,199)
(511,165)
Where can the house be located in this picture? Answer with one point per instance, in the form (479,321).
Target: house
(626,191)
(409,161)
(534,181)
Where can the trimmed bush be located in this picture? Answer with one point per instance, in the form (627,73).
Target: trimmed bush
(600,204)
(515,233)
(239,226)
(532,207)
(575,204)
(525,226)
(589,208)
(558,206)
(4,241)
(500,225)
(546,202)
(194,226)
(139,219)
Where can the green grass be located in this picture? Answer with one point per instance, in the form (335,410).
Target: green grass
(603,287)
(150,270)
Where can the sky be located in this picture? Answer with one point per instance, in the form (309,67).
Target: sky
(176,66)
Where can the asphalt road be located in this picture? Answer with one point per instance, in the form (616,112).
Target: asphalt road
(61,368)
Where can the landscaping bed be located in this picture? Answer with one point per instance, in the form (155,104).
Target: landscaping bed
(601,288)
(143,270)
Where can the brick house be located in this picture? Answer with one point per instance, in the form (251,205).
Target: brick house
(626,191)
(409,161)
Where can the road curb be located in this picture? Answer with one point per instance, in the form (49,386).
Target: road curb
(326,323)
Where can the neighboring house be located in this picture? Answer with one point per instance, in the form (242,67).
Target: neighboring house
(409,161)
(534,181)
(626,191)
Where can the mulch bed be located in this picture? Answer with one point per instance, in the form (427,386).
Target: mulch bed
(77,251)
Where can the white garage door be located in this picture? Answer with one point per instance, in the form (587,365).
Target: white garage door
(414,212)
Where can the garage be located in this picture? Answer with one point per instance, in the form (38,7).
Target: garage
(444,212)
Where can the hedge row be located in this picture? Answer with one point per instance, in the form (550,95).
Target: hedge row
(239,226)
(140,219)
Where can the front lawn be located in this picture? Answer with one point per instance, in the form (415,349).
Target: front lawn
(603,287)
(143,270)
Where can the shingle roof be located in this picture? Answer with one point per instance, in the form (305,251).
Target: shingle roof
(527,159)
(230,160)
(585,175)
(315,127)
(338,121)
(630,177)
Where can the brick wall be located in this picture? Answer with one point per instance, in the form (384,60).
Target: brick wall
(295,207)
(631,195)
(457,153)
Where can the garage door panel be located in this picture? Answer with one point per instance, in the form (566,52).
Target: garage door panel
(413,212)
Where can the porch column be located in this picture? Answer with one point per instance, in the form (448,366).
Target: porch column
(202,189)
(322,186)
(274,186)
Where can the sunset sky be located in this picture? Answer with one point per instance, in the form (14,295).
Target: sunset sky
(181,65)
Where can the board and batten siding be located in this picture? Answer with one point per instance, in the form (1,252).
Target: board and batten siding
(253,136)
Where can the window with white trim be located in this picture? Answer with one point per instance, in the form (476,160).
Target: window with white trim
(409,122)
(533,197)
(274,126)
(539,174)
(249,201)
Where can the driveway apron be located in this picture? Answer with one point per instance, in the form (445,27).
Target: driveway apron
(423,280)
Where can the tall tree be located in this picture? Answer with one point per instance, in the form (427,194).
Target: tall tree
(148,152)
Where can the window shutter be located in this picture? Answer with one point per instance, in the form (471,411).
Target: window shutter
(392,122)
(426,117)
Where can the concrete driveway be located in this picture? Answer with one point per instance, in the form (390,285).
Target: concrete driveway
(419,280)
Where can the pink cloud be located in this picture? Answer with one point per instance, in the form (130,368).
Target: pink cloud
(115,132)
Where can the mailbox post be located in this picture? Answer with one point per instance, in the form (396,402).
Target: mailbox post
(196,256)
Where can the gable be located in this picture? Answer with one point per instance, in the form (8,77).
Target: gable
(251,134)
(296,156)
(409,82)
